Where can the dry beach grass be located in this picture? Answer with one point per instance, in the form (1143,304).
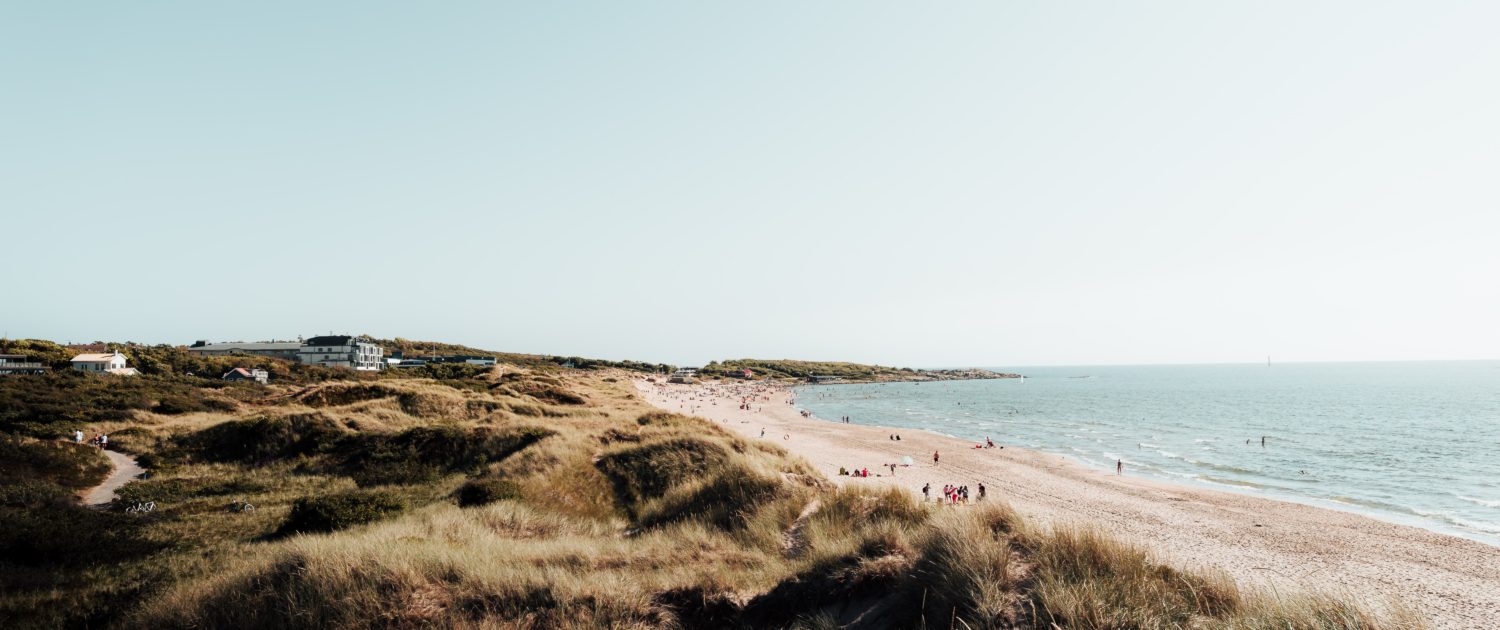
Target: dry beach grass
(582,506)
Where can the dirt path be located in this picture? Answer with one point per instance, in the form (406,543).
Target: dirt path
(126,470)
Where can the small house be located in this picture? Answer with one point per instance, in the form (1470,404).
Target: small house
(103,363)
(253,374)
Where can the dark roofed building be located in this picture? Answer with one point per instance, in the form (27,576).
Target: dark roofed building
(20,364)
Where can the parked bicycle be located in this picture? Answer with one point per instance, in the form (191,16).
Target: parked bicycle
(240,506)
(141,508)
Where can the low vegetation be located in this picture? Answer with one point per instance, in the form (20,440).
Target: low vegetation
(538,497)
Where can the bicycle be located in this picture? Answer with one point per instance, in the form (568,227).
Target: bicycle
(240,506)
(141,508)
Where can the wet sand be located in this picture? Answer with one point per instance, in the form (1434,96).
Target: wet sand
(1262,543)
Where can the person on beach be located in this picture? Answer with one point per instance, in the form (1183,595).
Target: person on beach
(981,492)
(934,458)
(1119,467)
(763,432)
(926,491)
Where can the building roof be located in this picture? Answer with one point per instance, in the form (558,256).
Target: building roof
(12,356)
(331,340)
(95,357)
(243,373)
(242,345)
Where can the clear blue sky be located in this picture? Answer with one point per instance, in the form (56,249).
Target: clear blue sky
(960,183)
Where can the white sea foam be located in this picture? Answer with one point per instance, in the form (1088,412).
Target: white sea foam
(1494,503)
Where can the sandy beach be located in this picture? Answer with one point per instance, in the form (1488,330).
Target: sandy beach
(1263,543)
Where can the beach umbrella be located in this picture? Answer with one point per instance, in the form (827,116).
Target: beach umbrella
(906,460)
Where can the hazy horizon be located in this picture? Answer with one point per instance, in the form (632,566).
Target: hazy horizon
(975,185)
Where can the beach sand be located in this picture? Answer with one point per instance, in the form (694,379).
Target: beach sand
(1261,543)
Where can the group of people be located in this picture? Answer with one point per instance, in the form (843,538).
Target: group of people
(895,437)
(865,472)
(952,494)
(100,440)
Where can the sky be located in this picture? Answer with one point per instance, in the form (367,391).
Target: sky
(913,184)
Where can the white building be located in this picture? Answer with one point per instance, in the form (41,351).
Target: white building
(102,363)
(289,350)
(342,351)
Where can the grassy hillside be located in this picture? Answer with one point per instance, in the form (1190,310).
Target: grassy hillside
(852,372)
(534,498)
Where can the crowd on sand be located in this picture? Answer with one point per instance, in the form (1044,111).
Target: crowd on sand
(751,396)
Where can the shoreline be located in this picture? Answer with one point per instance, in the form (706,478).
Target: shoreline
(1262,542)
(1198,483)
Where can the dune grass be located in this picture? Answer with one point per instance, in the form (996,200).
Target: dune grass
(502,503)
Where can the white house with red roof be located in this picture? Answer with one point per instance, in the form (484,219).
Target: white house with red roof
(254,374)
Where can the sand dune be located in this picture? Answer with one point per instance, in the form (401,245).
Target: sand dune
(1261,542)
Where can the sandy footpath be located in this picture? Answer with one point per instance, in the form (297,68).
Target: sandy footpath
(1261,542)
(125,471)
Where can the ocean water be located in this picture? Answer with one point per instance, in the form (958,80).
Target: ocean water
(1415,443)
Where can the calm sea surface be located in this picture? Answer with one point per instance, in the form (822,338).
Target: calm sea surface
(1415,443)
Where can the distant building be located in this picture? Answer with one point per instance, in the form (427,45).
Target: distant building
(19,364)
(102,363)
(252,374)
(469,359)
(289,350)
(684,375)
(342,351)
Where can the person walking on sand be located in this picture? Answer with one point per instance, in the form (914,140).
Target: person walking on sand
(981,492)
(934,458)
(763,432)
(1119,467)
(926,491)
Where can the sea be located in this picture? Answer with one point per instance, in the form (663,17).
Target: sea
(1416,443)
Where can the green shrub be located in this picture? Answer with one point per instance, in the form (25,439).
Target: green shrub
(649,470)
(262,440)
(726,501)
(487,490)
(422,454)
(33,493)
(174,490)
(64,463)
(51,534)
(560,396)
(340,511)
